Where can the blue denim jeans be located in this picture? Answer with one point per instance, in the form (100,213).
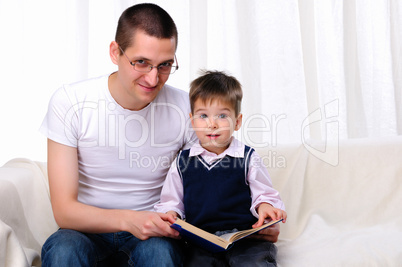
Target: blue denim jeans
(244,253)
(72,248)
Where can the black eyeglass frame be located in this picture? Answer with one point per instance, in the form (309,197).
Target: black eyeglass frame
(173,68)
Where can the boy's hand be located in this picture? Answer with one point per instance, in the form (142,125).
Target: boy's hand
(265,210)
(270,234)
(174,214)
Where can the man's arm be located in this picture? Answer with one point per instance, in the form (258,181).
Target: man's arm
(71,214)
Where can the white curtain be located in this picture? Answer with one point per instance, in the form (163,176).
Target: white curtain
(310,69)
(320,70)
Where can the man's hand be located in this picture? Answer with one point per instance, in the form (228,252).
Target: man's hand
(146,224)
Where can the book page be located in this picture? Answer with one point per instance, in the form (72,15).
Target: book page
(204,234)
(231,237)
(228,236)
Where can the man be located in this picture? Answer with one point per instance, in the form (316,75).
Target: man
(110,144)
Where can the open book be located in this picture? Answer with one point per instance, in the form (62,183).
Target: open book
(213,242)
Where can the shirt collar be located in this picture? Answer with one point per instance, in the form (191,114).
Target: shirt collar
(235,149)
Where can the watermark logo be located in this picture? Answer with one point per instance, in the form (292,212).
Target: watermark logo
(129,132)
(268,126)
(328,149)
(106,127)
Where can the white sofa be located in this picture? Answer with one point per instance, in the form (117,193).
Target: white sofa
(26,218)
(343,202)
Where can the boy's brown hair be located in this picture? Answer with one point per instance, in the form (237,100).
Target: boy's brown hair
(216,84)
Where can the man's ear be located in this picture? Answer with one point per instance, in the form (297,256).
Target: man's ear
(238,122)
(114,52)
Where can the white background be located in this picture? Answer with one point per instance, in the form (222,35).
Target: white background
(309,69)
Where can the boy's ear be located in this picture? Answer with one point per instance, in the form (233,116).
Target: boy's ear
(114,52)
(191,119)
(238,122)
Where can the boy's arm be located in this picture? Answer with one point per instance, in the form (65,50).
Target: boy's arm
(262,192)
(261,186)
(70,213)
(171,200)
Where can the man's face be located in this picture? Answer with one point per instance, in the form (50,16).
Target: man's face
(132,89)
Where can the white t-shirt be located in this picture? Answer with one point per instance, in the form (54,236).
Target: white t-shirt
(123,155)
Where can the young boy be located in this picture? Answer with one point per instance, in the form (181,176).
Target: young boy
(220,184)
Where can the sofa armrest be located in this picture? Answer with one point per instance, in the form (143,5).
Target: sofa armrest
(25,210)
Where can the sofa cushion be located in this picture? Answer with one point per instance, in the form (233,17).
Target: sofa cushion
(347,214)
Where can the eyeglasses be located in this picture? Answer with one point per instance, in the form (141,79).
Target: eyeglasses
(164,68)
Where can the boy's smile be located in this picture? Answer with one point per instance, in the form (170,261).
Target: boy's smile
(214,122)
(213,136)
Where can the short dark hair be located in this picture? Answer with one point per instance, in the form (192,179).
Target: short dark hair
(216,84)
(150,18)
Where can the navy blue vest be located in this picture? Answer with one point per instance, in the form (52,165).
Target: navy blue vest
(216,197)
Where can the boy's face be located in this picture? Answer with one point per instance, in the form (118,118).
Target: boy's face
(135,90)
(214,122)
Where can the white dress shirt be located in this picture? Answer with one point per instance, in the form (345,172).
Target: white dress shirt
(258,180)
